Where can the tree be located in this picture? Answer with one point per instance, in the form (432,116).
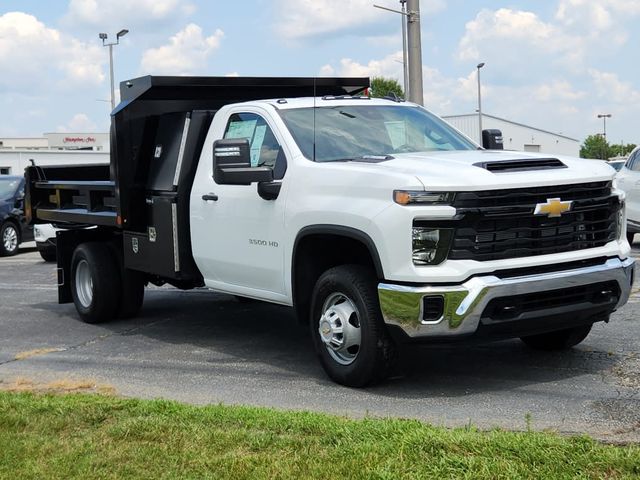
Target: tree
(381,87)
(595,146)
(622,150)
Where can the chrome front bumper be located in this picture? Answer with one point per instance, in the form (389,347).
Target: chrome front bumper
(464,304)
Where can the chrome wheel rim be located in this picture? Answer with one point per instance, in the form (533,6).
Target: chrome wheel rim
(339,328)
(84,284)
(10,239)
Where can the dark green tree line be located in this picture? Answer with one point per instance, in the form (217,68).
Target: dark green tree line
(596,146)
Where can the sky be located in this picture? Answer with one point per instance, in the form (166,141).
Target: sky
(552,64)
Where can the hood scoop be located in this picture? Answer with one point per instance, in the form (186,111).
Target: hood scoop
(522,165)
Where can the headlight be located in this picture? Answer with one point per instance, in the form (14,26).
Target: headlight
(405,197)
(430,246)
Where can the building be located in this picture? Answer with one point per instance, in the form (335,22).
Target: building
(52,149)
(517,136)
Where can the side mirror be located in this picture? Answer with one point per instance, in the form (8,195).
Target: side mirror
(232,164)
(492,139)
(19,201)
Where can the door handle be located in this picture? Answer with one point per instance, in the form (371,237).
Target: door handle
(210,196)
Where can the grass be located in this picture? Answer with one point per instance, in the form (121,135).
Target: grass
(98,436)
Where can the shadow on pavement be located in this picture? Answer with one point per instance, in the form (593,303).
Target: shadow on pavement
(231,332)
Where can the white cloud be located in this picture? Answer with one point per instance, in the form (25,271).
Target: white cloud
(389,67)
(29,50)
(186,53)
(308,18)
(327,71)
(79,123)
(608,86)
(509,30)
(589,15)
(124,13)
(557,90)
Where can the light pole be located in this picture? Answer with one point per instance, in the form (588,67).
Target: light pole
(604,117)
(103,37)
(479,66)
(405,63)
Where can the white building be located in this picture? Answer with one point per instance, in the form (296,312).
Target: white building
(516,136)
(52,149)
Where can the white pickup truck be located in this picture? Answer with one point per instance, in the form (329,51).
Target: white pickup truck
(376,220)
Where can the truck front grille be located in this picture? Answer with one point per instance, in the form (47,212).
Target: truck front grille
(500,224)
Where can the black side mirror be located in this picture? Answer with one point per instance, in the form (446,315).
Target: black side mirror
(232,164)
(19,201)
(492,139)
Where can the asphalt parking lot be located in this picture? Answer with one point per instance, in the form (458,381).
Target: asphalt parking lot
(202,347)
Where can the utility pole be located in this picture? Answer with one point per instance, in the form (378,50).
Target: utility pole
(405,62)
(414,42)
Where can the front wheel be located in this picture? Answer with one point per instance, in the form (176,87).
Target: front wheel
(9,240)
(558,340)
(347,328)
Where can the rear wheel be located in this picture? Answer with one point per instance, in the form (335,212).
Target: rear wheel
(559,340)
(95,282)
(9,239)
(348,332)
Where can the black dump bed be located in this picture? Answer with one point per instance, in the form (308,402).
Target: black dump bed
(157,134)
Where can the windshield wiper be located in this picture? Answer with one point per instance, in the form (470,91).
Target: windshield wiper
(364,159)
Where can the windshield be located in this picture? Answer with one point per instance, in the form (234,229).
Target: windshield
(349,132)
(8,187)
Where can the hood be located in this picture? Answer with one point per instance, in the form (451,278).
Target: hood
(490,169)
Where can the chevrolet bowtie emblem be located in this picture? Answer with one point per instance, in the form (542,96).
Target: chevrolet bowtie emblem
(554,207)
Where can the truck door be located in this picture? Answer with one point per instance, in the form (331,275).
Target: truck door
(237,236)
(628,179)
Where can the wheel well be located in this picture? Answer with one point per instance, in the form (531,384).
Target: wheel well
(316,253)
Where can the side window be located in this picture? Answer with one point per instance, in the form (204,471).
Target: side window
(634,163)
(265,149)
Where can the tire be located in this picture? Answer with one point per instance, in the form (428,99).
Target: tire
(48,254)
(132,294)
(630,236)
(9,239)
(558,340)
(363,353)
(95,282)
